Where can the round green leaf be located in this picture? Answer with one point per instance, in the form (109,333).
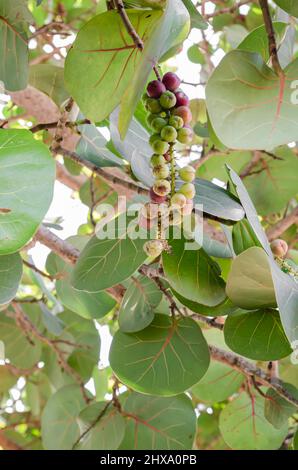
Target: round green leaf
(218,384)
(158,423)
(193,274)
(86,304)
(23,160)
(166,358)
(257,335)
(244,427)
(258,110)
(139,301)
(93,273)
(59,421)
(195,55)
(105,53)
(17,348)
(106,432)
(249,284)
(11,269)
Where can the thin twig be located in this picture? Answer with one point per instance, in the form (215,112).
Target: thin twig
(39,271)
(93,424)
(223,11)
(271,38)
(102,173)
(132,32)
(250,369)
(278,229)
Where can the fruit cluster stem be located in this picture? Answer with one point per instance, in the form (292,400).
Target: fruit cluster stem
(173,170)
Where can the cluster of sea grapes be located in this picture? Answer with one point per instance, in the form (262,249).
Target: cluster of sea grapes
(169,118)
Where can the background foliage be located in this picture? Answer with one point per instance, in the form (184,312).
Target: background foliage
(201,355)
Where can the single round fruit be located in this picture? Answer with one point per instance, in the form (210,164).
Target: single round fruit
(162,187)
(167,157)
(169,133)
(158,124)
(155,89)
(161,171)
(156,198)
(184,112)
(160,147)
(181,99)
(176,121)
(187,173)
(153,106)
(171,81)
(153,248)
(185,135)
(157,159)
(279,247)
(188,189)
(167,100)
(153,138)
(179,200)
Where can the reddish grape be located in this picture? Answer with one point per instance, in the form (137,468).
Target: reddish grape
(156,198)
(155,89)
(171,81)
(182,99)
(184,112)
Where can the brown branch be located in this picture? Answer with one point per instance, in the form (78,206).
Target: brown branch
(21,372)
(53,125)
(212,322)
(60,247)
(271,38)
(102,173)
(250,370)
(39,271)
(129,27)
(223,11)
(253,162)
(278,229)
(132,32)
